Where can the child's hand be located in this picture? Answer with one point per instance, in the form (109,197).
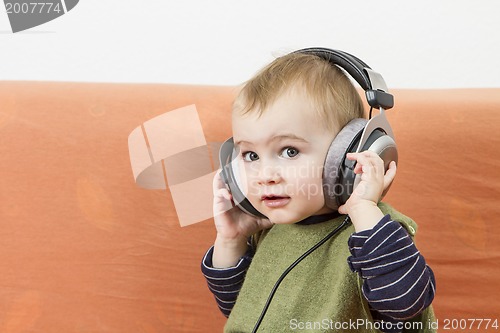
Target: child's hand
(374,183)
(233,227)
(232,223)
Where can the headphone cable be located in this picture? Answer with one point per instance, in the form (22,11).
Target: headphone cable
(292,266)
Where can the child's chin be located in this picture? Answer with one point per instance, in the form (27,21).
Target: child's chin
(280,218)
(283,221)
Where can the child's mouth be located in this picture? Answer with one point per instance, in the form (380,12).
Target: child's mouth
(275,201)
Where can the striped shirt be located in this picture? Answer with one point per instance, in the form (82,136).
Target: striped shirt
(397,283)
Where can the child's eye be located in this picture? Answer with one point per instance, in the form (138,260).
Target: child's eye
(250,156)
(289,152)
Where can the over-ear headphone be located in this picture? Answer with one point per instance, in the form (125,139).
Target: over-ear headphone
(375,134)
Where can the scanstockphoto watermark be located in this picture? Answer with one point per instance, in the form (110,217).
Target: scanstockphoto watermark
(356,325)
(307,190)
(290,179)
(25,14)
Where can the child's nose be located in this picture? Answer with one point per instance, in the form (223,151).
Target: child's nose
(270,174)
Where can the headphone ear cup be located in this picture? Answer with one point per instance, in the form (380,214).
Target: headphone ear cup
(378,142)
(346,139)
(339,179)
(231,176)
(384,146)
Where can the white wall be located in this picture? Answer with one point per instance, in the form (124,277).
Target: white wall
(418,44)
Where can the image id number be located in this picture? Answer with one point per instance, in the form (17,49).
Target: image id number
(469,324)
(32,8)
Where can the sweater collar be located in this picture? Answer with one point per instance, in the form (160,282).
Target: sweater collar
(319,218)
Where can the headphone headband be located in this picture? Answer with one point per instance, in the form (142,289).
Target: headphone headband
(339,179)
(372,82)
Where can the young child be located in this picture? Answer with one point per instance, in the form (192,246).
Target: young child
(369,277)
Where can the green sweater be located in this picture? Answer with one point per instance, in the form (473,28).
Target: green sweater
(321,294)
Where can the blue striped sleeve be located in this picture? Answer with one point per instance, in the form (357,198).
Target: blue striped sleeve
(397,282)
(225,283)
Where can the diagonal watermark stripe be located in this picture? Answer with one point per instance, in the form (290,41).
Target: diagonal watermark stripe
(26,14)
(170,151)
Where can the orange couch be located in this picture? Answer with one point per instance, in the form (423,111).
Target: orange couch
(84,249)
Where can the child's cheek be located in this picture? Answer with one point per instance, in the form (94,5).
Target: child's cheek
(249,181)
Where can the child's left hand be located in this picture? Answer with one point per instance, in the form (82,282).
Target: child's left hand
(374,182)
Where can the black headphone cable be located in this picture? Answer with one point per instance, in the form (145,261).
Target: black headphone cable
(344,223)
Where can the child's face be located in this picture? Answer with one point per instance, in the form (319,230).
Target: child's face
(281,158)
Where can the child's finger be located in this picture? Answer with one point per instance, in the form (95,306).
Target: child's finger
(223,193)
(218,183)
(222,201)
(219,188)
(390,174)
(367,161)
(342,209)
(354,157)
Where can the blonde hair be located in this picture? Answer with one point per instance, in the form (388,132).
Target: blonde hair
(335,99)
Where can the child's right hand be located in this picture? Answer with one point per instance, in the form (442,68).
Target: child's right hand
(232,224)
(233,227)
